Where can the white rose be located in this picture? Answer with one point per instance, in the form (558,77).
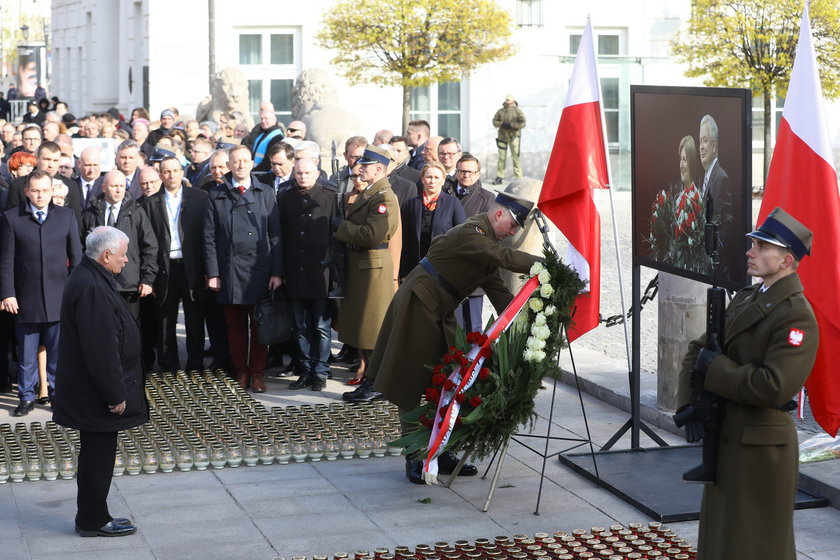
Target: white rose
(521,320)
(539,319)
(544,277)
(540,333)
(536,268)
(535,344)
(539,356)
(550,310)
(528,355)
(546,290)
(535,304)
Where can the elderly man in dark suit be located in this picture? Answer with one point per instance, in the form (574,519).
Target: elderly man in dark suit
(39,246)
(177,214)
(305,214)
(89,182)
(243,259)
(100,380)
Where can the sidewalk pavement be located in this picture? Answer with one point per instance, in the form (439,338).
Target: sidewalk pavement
(278,511)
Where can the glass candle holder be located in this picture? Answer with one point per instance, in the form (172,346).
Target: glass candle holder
(33,467)
(266,451)
(166,459)
(331,450)
(234,454)
(133,462)
(4,471)
(347,447)
(17,469)
(364,447)
(201,457)
(250,453)
(218,459)
(184,458)
(299,451)
(316,449)
(284,452)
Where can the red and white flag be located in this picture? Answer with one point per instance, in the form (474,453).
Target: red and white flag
(578,163)
(802,180)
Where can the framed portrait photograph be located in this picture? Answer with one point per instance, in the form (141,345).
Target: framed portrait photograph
(691,164)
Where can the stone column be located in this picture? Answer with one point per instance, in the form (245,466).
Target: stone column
(682,318)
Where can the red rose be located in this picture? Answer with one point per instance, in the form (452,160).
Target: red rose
(453,350)
(460,397)
(425,421)
(438,379)
(448,384)
(463,361)
(475,401)
(483,339)
(483,373)
(438,369)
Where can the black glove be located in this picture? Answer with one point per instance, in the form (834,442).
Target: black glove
(694,430)
(335,221)
(507,125)
(704,359)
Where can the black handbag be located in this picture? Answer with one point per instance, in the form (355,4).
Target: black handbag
(275,319)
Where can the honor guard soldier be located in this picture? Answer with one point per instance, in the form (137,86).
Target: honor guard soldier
(769,347)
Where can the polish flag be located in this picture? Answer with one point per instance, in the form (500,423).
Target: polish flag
(578,163)
(802,180)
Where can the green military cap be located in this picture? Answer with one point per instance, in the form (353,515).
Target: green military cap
(783,230)
(519,207)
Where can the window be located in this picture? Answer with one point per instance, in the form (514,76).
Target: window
(777,105)
(608,44)
(529,13)
(610,98)
(440,104)
(270,60)
(574,43)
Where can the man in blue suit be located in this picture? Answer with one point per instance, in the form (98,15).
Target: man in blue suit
(39,246)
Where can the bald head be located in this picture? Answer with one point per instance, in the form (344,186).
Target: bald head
(382,137)
(113,187)
(90,163)
(296,129)
(149,180)
(268,118)
(306,173)
(430,152)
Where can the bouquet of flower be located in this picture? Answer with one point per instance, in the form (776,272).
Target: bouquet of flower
(490,384)
(677,226)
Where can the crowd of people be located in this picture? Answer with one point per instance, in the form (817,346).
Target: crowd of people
(217,217)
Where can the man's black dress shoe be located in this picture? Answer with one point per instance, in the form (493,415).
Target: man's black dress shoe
(110,529)
(43,400)
(303,381)
(362,393)
(414,471)
(24,408)
(448,461)
(317,384)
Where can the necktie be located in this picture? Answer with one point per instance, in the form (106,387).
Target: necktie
(40,215)
(86,190)
(241,189)
(111,218)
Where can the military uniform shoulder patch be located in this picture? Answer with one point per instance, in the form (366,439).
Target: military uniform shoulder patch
(795,337)
(381,209)
(479,231)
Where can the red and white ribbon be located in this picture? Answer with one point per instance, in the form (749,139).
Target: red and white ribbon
(463,379)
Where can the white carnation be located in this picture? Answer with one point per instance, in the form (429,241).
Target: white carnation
(544,277)
(550,310)
(536,268)
(535,304)
(546,290)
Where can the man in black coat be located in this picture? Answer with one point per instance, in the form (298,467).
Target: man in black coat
(281,156)
(243,259)
(177,217)
(89,183)
(100,379)
(114,208)
(305,214)
(39,246)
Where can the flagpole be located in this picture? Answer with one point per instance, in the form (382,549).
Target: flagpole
(612,210)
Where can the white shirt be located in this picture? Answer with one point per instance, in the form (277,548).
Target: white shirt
(112,208)
(706,176)
(173,213)
(35,210)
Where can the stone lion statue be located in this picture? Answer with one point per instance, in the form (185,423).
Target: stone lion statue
(228,94)
(315,101)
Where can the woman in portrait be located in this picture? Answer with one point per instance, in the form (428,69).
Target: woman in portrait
(688,161)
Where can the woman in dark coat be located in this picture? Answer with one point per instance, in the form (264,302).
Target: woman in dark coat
(99,382)
(427,216)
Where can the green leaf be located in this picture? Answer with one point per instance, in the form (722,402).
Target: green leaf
(425,500)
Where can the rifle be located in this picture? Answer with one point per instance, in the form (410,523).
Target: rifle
(337,251)
(705,407)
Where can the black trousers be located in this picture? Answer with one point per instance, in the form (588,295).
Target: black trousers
(93,478)
(150,329)
(178,290)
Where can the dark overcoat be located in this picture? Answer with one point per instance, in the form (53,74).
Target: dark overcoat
(371,221)
(191,230)
(100,363)
(420,323)
(305,231)
(476,201)
(132,220)
(242,241)
(771,342)
(448,214)
(36,259)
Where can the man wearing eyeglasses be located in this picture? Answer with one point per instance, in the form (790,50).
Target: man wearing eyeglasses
(354,148)
(296,129)
(476,200)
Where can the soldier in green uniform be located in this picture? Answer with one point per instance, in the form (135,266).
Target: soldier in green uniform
(371,221)
(420,323)
(770,345)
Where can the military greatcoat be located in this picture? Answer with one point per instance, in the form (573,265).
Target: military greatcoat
(371,221)
(420,323)
(771,342)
